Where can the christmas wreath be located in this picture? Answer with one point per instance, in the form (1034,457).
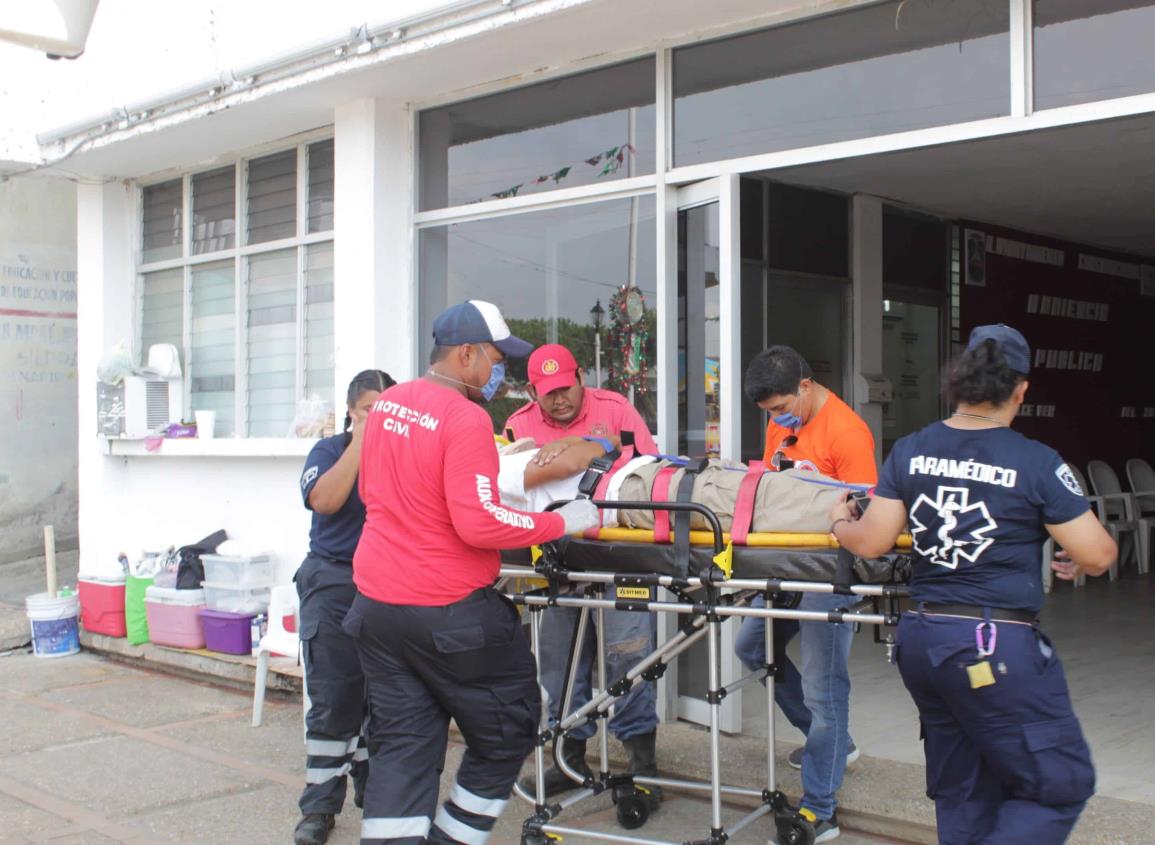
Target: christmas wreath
(628,338)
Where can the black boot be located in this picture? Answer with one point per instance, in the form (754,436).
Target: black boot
(313,829)
(359,776)
(644,761)
(556,781)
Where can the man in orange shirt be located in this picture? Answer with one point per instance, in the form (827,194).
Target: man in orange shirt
(810,429)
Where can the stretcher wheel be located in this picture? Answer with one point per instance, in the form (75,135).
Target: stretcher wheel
(539,839)
(794,831)
(633,811)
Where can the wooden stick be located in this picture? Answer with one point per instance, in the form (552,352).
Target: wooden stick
(50,559)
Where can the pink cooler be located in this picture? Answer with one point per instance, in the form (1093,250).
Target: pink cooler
(229,633)
(102,605)
(174,617)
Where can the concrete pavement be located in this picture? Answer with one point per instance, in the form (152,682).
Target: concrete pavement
(95,752)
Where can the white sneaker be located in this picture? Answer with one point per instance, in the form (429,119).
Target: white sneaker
(795,758)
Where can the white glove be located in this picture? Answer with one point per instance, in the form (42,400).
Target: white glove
(579,515)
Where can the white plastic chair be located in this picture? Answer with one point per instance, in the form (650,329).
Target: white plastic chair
(1121,511)
(283,602)
(1099,509)
(1142,480)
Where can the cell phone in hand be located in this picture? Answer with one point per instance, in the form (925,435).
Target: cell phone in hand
(859,500)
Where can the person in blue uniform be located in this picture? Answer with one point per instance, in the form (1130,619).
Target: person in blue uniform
(334,742)
(1006,761)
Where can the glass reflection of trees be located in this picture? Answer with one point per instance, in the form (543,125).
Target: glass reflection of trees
(579,339)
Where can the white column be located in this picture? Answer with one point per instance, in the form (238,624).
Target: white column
(666,300)
(375,286)
(105,240)
(730,311)
(867,279)
(1022,44)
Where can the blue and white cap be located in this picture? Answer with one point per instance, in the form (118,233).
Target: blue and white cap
(476,321)
(1015,349)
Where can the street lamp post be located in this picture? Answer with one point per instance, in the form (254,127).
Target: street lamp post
(596,314)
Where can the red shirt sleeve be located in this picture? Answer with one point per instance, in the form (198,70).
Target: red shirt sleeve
(631,420)
(470,476)
(511,424)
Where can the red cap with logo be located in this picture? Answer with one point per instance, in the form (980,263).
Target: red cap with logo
(551,367)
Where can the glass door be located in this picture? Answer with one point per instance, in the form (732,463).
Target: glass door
(699,318)
(912,354)
(916,260)
(709,385)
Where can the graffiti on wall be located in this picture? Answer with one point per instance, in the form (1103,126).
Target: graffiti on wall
(38,383)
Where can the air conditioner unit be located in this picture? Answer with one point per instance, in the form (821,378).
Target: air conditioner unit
(142,404)
(138,406)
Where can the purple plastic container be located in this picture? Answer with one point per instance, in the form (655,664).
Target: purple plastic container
(229,633)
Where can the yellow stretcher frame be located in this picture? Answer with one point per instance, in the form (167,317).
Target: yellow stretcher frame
(762,540)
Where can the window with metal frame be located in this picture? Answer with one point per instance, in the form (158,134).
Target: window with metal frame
(1089,50)
(879,69)
(581,275)
(584,129)
(237,272)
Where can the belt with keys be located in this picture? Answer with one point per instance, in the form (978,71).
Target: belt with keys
(986,639)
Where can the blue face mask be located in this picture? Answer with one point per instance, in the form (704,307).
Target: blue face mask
(496,378)
(789,419)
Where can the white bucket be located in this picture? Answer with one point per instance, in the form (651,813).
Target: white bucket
(53,623)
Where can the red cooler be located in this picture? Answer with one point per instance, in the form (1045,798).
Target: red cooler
(102,605)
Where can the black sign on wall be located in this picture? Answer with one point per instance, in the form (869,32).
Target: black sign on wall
(1084,313)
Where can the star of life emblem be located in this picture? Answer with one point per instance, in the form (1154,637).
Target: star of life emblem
(950,528)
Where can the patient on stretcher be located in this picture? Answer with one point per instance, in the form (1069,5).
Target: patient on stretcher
(789,501)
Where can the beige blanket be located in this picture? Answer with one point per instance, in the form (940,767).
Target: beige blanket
(785,500)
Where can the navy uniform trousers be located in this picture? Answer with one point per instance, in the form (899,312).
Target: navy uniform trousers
(334,736)
(1006,764)
(468,661)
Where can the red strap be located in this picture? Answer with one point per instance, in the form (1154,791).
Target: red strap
(744,506)
(604,485)
(660,492)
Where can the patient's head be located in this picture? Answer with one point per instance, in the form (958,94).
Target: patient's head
(523,444)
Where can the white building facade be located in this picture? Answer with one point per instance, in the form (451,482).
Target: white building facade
(289,221)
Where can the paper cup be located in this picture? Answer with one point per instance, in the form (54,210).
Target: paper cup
(206,422)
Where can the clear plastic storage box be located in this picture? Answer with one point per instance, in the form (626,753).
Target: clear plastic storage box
(238,571)
(233,598)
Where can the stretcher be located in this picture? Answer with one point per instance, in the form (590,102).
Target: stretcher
(706,579)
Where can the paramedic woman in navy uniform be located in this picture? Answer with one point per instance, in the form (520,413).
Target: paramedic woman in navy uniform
(1006,762)
(334,745)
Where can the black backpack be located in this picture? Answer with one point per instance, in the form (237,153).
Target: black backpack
(190,571)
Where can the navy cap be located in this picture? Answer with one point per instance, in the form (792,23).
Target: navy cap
(475,321)
(1013,345)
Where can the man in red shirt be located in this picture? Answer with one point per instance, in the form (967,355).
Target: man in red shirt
(562,404)
(563,408)
(435,640)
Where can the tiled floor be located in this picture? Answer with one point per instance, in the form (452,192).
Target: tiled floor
(96,752)
(1105,634)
